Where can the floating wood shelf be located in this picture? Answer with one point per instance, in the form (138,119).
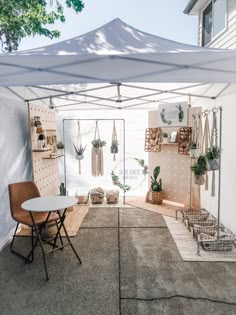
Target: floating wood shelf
(169,143)
(41,150)
(48,157)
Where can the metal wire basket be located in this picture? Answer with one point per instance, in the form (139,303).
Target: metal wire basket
(187,212)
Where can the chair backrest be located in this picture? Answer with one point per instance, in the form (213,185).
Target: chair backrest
(19,193)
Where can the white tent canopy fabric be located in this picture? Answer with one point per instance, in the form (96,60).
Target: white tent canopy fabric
(117,52)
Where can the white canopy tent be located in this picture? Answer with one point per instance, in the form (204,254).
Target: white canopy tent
(112,67)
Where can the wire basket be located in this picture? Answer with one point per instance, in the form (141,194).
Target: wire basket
(201,220)
(209,227)
(211,243)
(191,213)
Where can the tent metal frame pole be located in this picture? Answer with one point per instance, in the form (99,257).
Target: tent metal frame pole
(93,119)
(219,183)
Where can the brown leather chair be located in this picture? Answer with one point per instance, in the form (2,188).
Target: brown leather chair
(19,193)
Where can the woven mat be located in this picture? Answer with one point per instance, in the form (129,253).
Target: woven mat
(73,221)
(164,209)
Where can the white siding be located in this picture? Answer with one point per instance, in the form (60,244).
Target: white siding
(227,39)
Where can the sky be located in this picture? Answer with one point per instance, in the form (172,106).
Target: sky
(162,18)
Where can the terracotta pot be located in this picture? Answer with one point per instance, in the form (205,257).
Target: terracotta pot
(199,179)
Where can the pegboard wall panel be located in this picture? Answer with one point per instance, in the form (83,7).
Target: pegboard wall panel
(45,171)
(175,168)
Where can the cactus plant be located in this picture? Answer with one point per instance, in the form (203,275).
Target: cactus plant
(62,189)
(156,185)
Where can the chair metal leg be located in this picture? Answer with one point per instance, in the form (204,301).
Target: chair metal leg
(26,259)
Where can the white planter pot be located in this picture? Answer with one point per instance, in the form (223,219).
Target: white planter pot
(213,165)
(194,153)
(79,157)
(165,140)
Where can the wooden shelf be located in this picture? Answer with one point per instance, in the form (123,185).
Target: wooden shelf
(41,150)
(48,157)
(169,143)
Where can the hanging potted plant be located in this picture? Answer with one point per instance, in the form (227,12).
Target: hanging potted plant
(79,150)
(212,156)
(97,144)
(114,146)
(193,150)
(199,169)
(60,147)
(156,187)
(165,137)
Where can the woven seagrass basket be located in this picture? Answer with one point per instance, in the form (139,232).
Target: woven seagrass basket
(157,197)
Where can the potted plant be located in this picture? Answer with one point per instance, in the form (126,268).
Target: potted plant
(156,186)
(79,150)
(199,169)
(98,143)
(165,137)
(193,150)
(114,146)
(60,147)
(212,156)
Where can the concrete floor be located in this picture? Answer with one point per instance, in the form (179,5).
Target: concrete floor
(130,266)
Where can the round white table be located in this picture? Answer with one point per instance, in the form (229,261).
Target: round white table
(48,203)
(58,204)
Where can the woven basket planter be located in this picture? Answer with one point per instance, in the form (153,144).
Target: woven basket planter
(157,197)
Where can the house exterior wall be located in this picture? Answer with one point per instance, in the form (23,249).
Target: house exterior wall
(227,39)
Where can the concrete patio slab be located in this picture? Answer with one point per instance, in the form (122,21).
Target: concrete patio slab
(133,217)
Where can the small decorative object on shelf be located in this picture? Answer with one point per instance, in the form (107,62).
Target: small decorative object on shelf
(173,136)
(153,139)
(60,147)
(185,134)
(112,196)
(97,195)
(156,186)
(62,189)
(82,198)
(165,137)
(212,156)
(199,169)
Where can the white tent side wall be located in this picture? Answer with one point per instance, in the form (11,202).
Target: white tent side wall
(228,175)
(15,158)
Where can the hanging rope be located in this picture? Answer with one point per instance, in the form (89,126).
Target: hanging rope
(199,136)
(205,142)
(194,133)
(214,142)
(114,141)
(97,154)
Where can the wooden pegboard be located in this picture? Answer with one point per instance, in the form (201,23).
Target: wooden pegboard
(45,171)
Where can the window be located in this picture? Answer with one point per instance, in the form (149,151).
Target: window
(213,20)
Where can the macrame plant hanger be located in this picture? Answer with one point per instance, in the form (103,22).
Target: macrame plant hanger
(206,141)
(97,156)
(79,144)
(214,142)
(114,141)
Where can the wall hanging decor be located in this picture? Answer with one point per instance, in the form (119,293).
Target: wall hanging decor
(185,134)
(122,185)
(79,149)
(153,139)
(173,115)
(114,141)
(97,153)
